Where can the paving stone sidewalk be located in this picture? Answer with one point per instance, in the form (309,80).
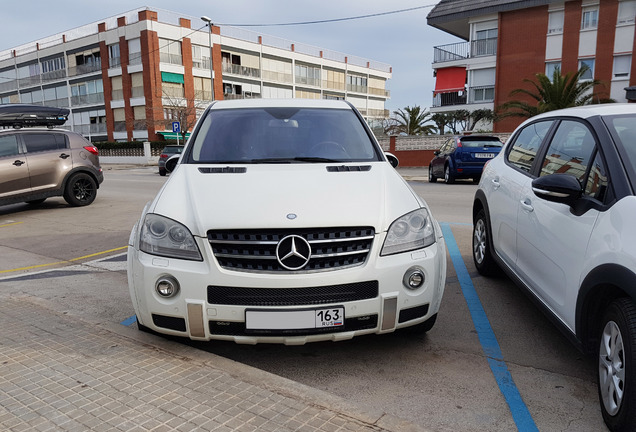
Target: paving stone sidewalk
(61,373)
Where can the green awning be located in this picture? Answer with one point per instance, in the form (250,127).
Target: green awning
(173,135)
(172,77)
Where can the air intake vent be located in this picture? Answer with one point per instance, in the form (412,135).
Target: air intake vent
(349,168)
(224,170)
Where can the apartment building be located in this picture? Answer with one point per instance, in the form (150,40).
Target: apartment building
(506,42)
(129,76)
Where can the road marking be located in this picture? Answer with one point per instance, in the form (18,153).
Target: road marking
(63,262)
(129,321)
(489,344)
(9,223)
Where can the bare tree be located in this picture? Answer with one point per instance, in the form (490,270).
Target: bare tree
(177,108)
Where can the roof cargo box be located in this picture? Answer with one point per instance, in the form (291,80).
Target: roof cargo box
(22,115)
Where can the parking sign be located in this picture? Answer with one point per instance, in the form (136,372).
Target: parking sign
(176,126)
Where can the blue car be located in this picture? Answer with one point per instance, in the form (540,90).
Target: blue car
(463,157)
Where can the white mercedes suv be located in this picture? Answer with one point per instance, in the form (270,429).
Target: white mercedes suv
(285,223)
(556,210)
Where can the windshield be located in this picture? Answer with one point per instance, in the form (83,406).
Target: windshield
(623,130)
(282,135)
(480,142)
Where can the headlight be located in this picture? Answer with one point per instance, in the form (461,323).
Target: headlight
(166,237)
(409,232)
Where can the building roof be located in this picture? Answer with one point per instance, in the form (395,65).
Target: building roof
(452,16)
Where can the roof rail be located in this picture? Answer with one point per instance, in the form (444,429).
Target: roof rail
(25,115)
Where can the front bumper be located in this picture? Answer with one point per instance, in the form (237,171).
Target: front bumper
(199,312)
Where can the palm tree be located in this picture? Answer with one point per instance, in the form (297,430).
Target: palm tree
(410,121)
(562,91)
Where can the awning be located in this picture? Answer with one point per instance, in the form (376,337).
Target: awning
(173,135)
(450,80)
(172,77)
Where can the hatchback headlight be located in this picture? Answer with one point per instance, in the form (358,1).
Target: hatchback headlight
(409,232)
(166,237)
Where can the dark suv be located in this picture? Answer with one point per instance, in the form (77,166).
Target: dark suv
(38,163)
(166,153)
(463,156)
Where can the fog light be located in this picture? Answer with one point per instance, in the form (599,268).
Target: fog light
(414,278)
(167,286)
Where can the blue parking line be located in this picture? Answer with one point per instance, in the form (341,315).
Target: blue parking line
(489,344)
(129,321)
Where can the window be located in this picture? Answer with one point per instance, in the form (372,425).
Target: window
(589,73)
(114,57)
(357,83)
(622,66)
(597,181)
(550,67)
(170,51)
(626,12)
(589,20)
(307,75)
(134,51)
(8,145)
(526,145)
(570,151)
(485,42)
(52,65)
(555,22)
(39,142)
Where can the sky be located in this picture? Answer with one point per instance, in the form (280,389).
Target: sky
(402,40)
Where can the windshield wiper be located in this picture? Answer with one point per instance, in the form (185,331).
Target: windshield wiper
(293,160)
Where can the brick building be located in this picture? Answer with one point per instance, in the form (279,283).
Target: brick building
(508,41)
(125,78)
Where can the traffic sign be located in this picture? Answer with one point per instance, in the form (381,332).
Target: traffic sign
(176,126)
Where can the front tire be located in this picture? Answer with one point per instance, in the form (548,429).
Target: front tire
(431,176)
(482,255)
(80,190)
(616,365)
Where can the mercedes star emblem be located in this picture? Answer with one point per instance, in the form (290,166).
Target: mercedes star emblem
(293,252)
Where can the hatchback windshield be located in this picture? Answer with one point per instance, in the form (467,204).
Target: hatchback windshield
(286,135)
(480,142)
(623,129)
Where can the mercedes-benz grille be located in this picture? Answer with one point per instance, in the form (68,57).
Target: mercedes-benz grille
(291,250)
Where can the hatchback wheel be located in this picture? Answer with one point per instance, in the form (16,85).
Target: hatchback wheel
(448,176)
(616,366)
(482,255)
(81,190)
(431,176)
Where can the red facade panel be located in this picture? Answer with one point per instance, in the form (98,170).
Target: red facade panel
(524,28)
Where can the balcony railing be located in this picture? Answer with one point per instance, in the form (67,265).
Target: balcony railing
(479,94)
(89,99)
(357,88)
(175,59)
(464,50)
(277,76)
(308,81)
(53,75)
(241,70)
(379,92)
(84,69)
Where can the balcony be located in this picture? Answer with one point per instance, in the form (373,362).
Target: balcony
(464,50)
(241,70)
(85,69)
(474,95)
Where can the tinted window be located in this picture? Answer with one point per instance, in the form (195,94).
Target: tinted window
(570,150)
(623,129)
(282,134)
(8,145)
(39,142)
(481,142)
(526,144)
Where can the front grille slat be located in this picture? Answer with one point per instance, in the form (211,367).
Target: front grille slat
(255,250)
(239,296)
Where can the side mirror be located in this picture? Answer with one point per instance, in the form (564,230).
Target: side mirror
(172,162)
(560,188)
(393,160)
(436,152)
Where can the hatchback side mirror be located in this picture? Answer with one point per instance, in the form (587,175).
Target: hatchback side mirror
(393,160)
(560,188)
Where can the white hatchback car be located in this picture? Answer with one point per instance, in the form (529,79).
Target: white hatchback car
(556,210)
(284,223)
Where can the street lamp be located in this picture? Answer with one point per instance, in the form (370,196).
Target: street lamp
(209,22)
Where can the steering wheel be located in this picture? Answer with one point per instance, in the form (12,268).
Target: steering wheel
(329,150)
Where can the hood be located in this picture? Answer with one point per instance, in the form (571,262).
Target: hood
(266,196)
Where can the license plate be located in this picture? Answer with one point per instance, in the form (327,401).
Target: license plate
(294,319)
(484,155)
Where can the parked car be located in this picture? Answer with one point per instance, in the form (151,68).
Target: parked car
(462,157)
(555,211)
(285,223)
(41,162)
(167,152)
